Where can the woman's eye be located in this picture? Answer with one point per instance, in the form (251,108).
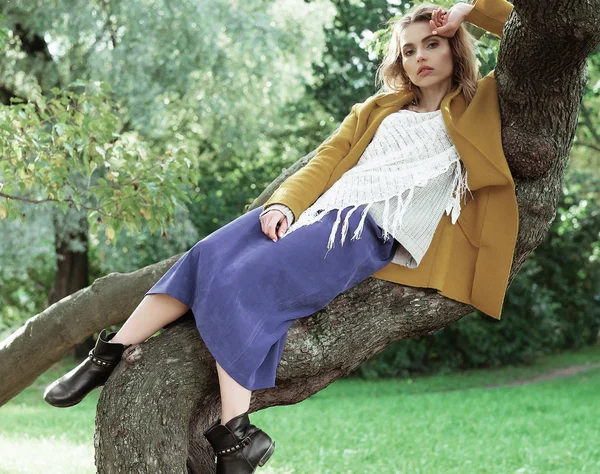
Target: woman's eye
(409,51)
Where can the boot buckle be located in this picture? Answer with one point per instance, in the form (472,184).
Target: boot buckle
(244,442)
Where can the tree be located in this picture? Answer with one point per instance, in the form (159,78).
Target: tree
(166,434)
(102,76)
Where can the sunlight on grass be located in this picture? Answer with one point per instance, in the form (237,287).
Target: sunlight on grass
(33,455)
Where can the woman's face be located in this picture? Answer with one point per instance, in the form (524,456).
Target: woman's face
(419,47)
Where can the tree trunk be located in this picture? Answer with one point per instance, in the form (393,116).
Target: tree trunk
(541,76)
(151,420)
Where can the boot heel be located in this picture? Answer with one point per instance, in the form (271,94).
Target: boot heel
(267,455)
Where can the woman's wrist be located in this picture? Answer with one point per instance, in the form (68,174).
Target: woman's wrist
(464,8)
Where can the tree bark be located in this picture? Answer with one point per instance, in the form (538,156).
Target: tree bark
(541,75)
(151,420)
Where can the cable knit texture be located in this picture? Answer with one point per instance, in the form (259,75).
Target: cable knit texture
(407,177)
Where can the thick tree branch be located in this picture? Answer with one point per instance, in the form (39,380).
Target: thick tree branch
(47,337)
(541,75)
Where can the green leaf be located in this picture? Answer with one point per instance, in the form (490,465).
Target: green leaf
(105,86)
(69,149)
(93,226)
(79,83)
(60,128)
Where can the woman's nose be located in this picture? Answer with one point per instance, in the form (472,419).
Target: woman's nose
(421,54)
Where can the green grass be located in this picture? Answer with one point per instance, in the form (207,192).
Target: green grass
(438,424)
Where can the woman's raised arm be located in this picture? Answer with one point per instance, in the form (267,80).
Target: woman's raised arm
(491,15)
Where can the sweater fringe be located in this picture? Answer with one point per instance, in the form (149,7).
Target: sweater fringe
(459,189)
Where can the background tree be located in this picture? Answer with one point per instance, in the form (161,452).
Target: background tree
(184,103)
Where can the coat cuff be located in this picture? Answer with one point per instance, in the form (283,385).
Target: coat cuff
(283,208)
(491,15)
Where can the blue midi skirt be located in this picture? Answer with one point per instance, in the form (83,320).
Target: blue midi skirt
(245,290)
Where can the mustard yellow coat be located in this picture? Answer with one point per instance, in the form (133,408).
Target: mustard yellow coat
(469,262)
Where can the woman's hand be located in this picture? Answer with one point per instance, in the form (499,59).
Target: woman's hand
(273,224)
(447,22)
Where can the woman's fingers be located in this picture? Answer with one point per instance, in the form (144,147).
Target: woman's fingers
(268,224)
(440,16)
(283,227)
(274,232)
(271,226)
(447,26)
(438,19)
(263,223)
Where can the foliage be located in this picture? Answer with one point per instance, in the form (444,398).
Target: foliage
(219,96)
(135,250)
(71,150)
(215,89)
(27,267)
(208,75)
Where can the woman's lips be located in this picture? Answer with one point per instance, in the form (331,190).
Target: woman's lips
(425,72)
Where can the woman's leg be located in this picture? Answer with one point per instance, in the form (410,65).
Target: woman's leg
(156,311)
(235,399)
(153,313)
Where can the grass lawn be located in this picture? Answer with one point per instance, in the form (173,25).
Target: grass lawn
(439,424)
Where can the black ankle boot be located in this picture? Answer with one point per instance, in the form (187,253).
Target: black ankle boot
(94,371)
(239,446)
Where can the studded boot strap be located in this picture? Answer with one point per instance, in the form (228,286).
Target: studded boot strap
(244,442)
(99,361)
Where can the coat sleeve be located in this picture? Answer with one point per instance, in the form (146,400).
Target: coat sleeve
(490,15)
(304,187)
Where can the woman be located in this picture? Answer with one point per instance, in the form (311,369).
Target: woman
(398,158)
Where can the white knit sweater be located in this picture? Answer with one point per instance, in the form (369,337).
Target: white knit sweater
(407,177)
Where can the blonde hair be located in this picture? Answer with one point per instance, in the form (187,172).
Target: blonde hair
(391,74)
